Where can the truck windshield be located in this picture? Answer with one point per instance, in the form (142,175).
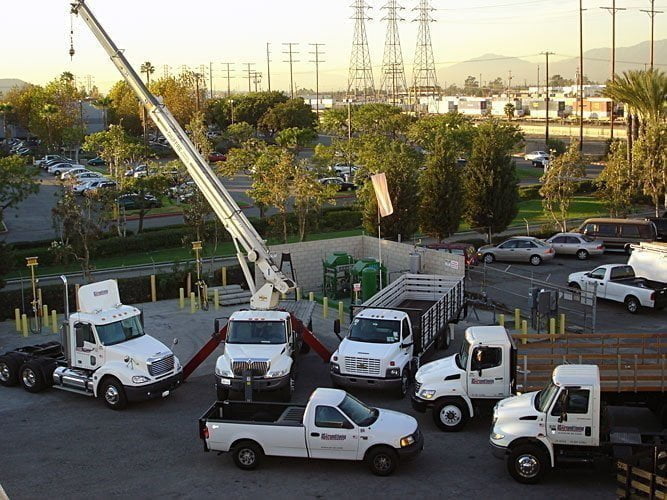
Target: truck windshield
(545,397)
(256,332)
(376,331)
(462,356)
(120,331)
(358,412)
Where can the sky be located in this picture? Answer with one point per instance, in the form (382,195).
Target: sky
(200,32)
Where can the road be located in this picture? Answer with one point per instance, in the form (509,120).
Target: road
(73,447)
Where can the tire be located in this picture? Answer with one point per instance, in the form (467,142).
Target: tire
(286,392)
(382,461)
(31,377)
(405,384)
(535,260)
(450,415)
(489,258)
(247,455)
(632,304)
(9,371)
(574,285)
(223,394)
(582,254)
(528,463)
(113,394)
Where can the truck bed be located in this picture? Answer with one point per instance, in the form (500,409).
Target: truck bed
(255,413)
(641,283)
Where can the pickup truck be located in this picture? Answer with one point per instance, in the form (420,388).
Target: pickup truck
(619,283)
(393,329)
(333,425)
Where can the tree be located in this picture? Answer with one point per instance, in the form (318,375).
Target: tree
(455,128)
(334,121)
(156,184)
(5,109)
(381,119)
(509,111)
(497,84)
(238,133)
(17,182)
(650,151)
(125,108)
(118,149)
(49,112)
(104,103)
(148,69)
(179,95)
(294,113)
(615,184)
(559,81)
(309,194)
(490,178)
(247,108)
(295,138)
(441,188)
(559,184)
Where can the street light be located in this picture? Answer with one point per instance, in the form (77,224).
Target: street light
(231,102)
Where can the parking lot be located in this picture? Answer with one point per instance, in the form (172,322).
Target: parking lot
(67,445)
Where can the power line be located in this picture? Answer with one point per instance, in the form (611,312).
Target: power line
(229,87)
(268,65)
(291,61)
(250,72)
(317,62)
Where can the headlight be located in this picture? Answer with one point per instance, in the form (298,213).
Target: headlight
(393,372)
(496,437)
(407,441)
(426,394)
(277,373)
(335,367)
(222,373)
(140,379)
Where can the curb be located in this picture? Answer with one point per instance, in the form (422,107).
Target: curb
(161,216)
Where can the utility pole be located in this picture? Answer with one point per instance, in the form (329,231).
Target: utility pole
(317,62)
(257,79)
(197,76)
(268,66)
(509,83)
(291,61)
(229,88)
(250,71)
(613,10)
(581,75)
(546,132)
(393,74)
(538,80)
(652,13)
(165,70)
(424,78)
(360,78)
(210,79)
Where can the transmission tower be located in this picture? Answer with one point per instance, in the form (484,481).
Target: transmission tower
(393,74)
(424,78)
(360,83)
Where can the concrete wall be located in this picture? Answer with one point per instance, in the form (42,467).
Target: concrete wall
(307,258)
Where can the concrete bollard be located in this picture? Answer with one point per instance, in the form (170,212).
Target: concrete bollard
(561,324)
(181,298)
(501,319)
(298,293)
(311,296)
(24,324)
(216,299)
(45,315)
(153,289)
(325,307)
(193,302)
(552,326)
(76,296)
(188,285)
(341,312)
(224,276)
(54,321)
(282,296)
(517,319)
(39,295)
(524,330)
(17,319)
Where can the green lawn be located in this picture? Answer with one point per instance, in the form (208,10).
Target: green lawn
(529,172)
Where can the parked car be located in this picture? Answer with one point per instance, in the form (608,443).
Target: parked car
(463,249)
(660,224)
(138,171)
(518,249)
(133,201)
(46,165)
(47,158)
(59,168)
(581,245)
(343,169)
(215,157)
(72,172)
(620,233)
(81,187)
(537,158)
(340,183)
(97,185)
(85,175)
(96,162)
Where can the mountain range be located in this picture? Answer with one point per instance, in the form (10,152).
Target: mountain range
(9,83)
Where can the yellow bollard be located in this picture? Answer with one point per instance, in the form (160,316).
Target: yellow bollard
(224,276)
(45,314)
(341,313)
(562,324)
(216,299)
(524,330)
(501,319)
(193,302)
(24,324)
(298,293)
(517,318)
(54,321)
(552,326)
(153,289)
(39,295)
(282,296)
(311,296)
(325,307)
(76,296)
(17,318)
(181,298)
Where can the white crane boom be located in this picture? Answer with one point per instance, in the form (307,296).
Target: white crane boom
(224,206)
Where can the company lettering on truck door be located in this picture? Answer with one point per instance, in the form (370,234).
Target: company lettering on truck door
(570,420)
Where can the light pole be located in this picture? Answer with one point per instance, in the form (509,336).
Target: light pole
(196,246)
(231,102)
(31,262)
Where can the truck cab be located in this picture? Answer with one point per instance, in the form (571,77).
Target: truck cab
(483,370)
(261,346)
(535,430)
(376,352)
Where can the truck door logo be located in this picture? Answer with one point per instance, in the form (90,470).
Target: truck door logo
(333,437)
(100,292)
(567,428)
(482,381)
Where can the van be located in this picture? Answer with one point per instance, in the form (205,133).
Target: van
(619,233)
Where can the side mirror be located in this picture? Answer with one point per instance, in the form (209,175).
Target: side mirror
(336,328)
(406,345)
(588,275)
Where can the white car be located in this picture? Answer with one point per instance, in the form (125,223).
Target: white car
(576,244)
(72,172)
(85,175)
(536,155)
(46,158)
(87,184)
(59,168)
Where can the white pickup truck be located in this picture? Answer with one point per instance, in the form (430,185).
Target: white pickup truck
(619,283)
(333,425)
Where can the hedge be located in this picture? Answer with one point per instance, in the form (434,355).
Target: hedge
(532,191)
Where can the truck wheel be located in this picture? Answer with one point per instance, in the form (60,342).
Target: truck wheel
(9,371)
(527,464)
(382,461)
(112,393)
(247,455)
(489,258)
(535,260)
(450,415)
(632,304)
(286,392)
(582,254)
(405,384)
(574,285)
(223,394)
(31,377)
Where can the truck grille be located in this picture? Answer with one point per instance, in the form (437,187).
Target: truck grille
(256,367)
(160,366)
(362,366)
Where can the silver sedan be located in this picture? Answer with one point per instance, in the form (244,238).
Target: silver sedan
(518,248)
(576,244)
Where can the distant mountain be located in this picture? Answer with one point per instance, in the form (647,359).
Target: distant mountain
(9,83)
(597,65)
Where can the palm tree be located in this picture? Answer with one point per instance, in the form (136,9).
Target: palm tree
(48,112)
(149,69)
(5,108)
(104,103)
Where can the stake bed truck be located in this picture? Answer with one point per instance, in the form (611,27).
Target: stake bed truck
(333,425)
